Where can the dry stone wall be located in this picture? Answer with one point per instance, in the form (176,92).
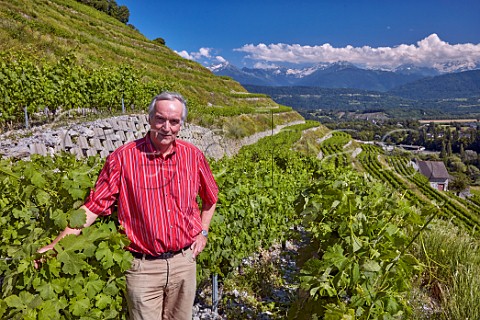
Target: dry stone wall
(101,137)
(98,137)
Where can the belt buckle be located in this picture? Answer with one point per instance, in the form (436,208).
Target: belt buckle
(166,255)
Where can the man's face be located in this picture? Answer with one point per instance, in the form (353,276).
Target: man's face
(165,123)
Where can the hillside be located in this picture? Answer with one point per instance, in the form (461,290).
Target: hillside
(360,101)
(48,31)
(268,195)
(454,85)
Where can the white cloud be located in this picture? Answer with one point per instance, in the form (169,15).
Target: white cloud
(203,52)
(184,54)
(203,55)
(263,65)
(429,52)
(220,59)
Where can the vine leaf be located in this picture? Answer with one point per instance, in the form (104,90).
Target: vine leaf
(38,180)
(78,218)
(104,255)
(46,290)
(103,301)
(93,287)
(72,262)
(80,306)
(372,266)
(335,255)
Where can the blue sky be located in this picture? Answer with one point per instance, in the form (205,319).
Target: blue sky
(272,33)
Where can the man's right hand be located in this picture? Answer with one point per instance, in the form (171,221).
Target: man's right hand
(38,262)
(89,220)
(46,248)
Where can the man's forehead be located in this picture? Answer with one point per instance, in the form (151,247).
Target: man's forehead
(164,106)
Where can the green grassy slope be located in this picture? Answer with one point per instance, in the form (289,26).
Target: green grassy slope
(51,29)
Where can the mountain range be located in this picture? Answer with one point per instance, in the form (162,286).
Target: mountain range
(330,75)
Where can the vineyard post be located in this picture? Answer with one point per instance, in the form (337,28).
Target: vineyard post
(272,149)
(214,292)
(123,105)
(26,117)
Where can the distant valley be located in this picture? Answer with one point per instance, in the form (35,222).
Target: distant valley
(407,91)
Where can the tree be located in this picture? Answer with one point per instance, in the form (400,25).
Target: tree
(474,174)
(443,152)
(449,148)
(433,129)
(132,26)
(459,182)
(123,14)
(101,5)
(470,157)
(455,164)
(159,41)
(423,136)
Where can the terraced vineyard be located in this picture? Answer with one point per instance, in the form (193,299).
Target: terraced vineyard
(369,161)
(332,149)
(461,211)
(85,280)
(400,175)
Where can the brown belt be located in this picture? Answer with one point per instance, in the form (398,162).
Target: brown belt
(165,255)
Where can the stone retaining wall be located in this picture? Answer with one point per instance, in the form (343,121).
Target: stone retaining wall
(101,137)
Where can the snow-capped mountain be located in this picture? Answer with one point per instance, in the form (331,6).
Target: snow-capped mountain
(457,66)
(340,74)
(412,69)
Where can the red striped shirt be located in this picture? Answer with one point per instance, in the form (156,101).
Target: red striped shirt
(156,196)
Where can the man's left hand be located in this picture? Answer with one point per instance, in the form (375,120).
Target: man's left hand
(199,244)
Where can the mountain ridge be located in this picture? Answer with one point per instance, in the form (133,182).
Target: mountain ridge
(447,86)
(340,74)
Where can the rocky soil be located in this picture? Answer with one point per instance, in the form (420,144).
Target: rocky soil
(236,301)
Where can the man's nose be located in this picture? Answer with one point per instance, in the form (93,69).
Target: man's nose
(166,125)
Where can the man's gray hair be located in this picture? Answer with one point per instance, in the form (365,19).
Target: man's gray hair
(170,96)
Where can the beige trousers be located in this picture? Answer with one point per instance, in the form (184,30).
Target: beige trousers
(162,289)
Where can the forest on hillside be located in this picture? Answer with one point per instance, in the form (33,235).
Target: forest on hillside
(361,101)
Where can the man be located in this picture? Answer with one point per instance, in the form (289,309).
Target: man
(155,182)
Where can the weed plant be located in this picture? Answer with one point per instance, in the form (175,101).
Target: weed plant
(451,281)
(251,291)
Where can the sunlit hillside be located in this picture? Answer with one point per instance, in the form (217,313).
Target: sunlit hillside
(50,30)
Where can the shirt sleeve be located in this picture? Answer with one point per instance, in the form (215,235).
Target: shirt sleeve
(102,198)
(208,187)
